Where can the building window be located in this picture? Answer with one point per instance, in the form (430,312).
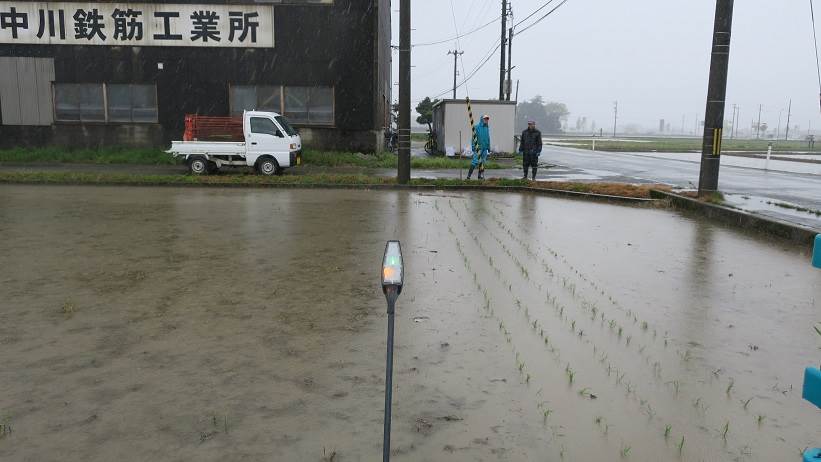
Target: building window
(302,105)
(98,102)
(255,98)
(132,103)
(79,102)
(310,105)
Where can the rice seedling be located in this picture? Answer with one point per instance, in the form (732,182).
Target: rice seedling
(681,444)
(686,356)
(676,385)
(5,429)
(644,325)
(527,378)
(585,393)
(629,338)
(760,419)
(746,403)
(547,413)
(625,451)
(725,430)
(570,376)
(620,331)
(68,308)
(667,429)
(730,387)
(598,420)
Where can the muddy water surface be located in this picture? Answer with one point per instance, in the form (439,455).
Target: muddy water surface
(190,324)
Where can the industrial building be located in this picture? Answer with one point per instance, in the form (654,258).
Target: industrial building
(126,74)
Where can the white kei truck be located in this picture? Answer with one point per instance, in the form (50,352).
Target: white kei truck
(262,140)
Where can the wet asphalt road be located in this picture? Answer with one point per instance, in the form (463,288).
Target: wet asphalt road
(802,189)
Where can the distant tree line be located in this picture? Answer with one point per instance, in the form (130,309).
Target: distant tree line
(548,116)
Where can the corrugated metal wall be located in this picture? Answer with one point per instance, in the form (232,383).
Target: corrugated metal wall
(25,91)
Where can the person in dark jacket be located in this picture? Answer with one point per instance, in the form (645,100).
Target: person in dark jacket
(530,146)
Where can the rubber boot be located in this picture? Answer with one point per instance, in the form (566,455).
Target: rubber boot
(481,172)
(470,172)
(525,177)
(534,173)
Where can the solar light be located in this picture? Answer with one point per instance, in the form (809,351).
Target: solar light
(393,273)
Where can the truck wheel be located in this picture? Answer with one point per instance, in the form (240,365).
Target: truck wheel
(198,165)
(268,167)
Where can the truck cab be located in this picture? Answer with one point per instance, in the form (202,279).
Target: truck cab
(270,134)
(262,140)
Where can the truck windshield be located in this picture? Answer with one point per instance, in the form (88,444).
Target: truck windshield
(283,122)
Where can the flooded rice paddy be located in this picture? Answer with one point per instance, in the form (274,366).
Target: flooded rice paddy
(203,324)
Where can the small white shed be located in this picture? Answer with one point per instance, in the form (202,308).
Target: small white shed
(450,117)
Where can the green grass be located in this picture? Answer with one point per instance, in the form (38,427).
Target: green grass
(383,160)
(136,156)
(153,156)
(319,179)
(685,145)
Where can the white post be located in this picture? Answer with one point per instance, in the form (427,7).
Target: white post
(769,153)
(594,144)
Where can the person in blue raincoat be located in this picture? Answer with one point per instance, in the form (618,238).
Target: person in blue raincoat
(481,151)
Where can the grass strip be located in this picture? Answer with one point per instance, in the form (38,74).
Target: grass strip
(613,189)
(153,156)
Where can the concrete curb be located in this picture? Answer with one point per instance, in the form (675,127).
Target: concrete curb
(793,232)
(397,187)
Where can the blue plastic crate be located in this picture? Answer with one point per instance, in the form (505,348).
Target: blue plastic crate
(812,455)
(816,253)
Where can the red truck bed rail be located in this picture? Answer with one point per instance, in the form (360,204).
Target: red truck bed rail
(210,128)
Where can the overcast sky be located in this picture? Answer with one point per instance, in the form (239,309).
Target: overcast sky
(651,55)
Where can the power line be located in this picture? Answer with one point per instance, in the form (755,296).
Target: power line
(458,46)
(458,36)
(542,18)
(533,13)
(815,40)
(474,71)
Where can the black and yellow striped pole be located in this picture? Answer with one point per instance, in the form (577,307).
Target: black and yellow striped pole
(716,94)
(475,138)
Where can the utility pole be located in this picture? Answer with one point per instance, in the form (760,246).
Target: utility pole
(509,81)
(789,113)
(504,46)
(456,54)
(732,129)
(758,127)
(716,93)
(778,130)
(615,116)
(404,165)
(737,120)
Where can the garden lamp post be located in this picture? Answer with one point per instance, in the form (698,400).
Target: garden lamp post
(392,279)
